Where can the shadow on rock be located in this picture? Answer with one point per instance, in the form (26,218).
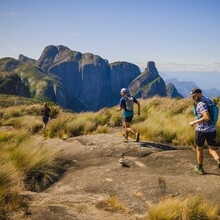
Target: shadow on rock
(155,145)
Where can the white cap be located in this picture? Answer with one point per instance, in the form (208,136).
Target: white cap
(124,90)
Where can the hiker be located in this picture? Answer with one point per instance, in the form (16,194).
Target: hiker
(127,103)
(205,129)
(45,112)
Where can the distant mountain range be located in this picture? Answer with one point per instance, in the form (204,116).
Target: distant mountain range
(184,87)
(79,81)
(185,81)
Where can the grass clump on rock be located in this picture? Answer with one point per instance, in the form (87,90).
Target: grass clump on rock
(192,207)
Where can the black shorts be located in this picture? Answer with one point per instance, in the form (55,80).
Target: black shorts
(45,119)
(128,119)
(201,137)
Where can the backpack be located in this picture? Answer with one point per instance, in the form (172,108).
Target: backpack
(129,103)
(212,109)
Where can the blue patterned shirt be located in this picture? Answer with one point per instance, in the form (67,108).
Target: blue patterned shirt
(201,107)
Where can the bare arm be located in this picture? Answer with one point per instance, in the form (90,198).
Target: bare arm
(205,118)
(139,108)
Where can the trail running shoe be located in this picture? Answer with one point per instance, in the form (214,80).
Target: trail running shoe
(198,170)
(126,139)
(125,165)
(137,137)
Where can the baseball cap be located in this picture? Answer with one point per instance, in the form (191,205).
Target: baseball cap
(124,90)
(195,91)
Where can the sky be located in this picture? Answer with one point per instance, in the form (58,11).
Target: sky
(179,35)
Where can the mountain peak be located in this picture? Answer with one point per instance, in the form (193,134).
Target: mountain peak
(151,65)
(26,59)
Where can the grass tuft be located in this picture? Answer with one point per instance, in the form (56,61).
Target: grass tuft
(192,207)
(113,204)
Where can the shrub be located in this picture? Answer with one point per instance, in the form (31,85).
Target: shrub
(116,121)
(22,159)
(30,123)
(41,176)
(102,129)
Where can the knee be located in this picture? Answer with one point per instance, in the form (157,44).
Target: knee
(126,125)
(211,150)
(199,149)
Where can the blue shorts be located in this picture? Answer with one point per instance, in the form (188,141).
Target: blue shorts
(128,119)
(45,119)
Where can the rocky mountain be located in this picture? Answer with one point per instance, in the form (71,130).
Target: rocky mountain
(211,92)
(148,84)
(41,85)
(183,87)
(82,81)
(172,92)
(87,76)
(122,74)
(26,59)
(10,83)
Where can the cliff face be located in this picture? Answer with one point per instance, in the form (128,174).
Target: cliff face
(122,74)
(172,91)
(87,76)
(148,84)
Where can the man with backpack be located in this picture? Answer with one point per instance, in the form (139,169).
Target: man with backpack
(45,112)
(206,111)
(127,104)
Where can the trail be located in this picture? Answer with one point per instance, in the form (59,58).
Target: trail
(95,175)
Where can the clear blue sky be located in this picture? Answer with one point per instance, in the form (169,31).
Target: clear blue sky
(177,34)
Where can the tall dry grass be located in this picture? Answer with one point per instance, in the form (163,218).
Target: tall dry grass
(167,121)
(189,208)
(162,120)
(113,204)
(24,165)
(70,124)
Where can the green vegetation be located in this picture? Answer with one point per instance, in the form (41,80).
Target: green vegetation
(145,87)
(193,207)
(38,80)
(11,100)
(40,83)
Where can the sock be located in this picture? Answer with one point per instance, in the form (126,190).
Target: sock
(200,166)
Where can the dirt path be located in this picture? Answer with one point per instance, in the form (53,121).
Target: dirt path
(155,171)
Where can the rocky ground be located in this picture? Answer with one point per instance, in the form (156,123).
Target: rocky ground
(96,175)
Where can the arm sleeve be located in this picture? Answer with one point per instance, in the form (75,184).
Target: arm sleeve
(201,108)
(135,100)
(122,103)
